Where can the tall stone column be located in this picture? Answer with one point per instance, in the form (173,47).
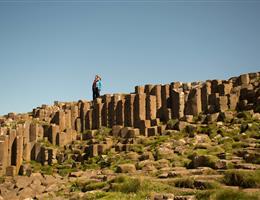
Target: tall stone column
(156,91)
(59,119)
(139,109)
(3,154)
(222,103)
(166,103)
(120,117)
(34,129)
(97,108)
(68,120)
(205,92)
(178,103)
(19,152)
(106,99)
(194,102)
(150,107)
(232,101)
(129,110)
(212,107)
(53,131)
(74,115)
(12,146)
(112,109)
(84,107)
(89,119)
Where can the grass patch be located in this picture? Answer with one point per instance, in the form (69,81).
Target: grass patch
(171,124)
(125,184)
(234,195)
(241,178)
(195,184)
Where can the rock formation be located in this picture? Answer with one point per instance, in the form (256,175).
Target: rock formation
(45,134)
(60,124)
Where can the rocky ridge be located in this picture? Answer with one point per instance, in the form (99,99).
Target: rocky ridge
(175,141)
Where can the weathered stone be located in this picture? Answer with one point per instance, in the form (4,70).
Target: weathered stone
(244,79)
(161,129)
(232,101)
(139,89)
(222,103)
(89,119)
(150,107)
(11,171)
(194,102)
(59,119)
(152,131)
(97,109)
(155,122)
(148,88)
(139,109)
(143,125)
(120,111)
(129,110)
(215,86)
(205,92)
(225,88)
(84,107)
(178,103)
(34,133)
(126,168)
(116,130)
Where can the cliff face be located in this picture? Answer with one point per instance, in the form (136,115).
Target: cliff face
(142,113)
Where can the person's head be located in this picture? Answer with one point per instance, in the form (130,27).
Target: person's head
(98,77)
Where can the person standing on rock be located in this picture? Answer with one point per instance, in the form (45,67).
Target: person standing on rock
(96,87)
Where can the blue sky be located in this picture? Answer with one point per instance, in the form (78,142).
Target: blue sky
(51,50)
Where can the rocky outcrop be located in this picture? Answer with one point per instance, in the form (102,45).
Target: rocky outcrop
(23,137)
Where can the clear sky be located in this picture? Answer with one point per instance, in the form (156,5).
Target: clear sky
(51,50)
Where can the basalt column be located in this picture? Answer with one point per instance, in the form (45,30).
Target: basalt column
(3,154)
(150,107)
(178,103)
(112,110)
(74,116)
(120,118)
(97,110)
(156,91)
(106,99)
(205,92)
(139,109)
(84,107)
(194,102)
(129,110)
(89,119)
(166,111)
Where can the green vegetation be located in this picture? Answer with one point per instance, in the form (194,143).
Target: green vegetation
(242,178)
(172,123)
(125,184)
(244,115)
(38,167)
(194,184)
(234,195)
